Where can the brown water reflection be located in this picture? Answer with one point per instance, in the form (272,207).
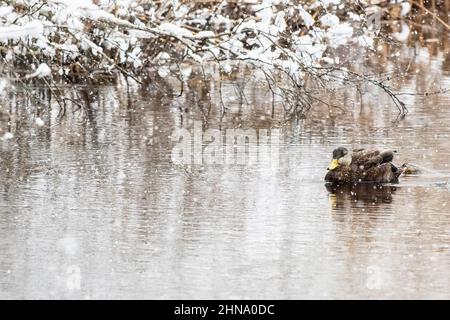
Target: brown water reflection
(366,194)
(93,207)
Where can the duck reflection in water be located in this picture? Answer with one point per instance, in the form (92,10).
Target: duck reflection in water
(344,196)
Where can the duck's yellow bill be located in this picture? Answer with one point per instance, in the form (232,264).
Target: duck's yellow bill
(333,165)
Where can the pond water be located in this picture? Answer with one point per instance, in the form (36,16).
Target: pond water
(93,206)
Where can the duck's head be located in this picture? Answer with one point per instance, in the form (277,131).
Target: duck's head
(340,156)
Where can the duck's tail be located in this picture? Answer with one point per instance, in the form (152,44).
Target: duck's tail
(397,171)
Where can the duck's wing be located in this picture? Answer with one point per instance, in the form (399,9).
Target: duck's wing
(365,157)
(370,158)
(383,173)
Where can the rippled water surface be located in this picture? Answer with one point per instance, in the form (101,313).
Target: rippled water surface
(93,206)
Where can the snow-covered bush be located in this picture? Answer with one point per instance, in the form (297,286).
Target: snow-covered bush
(84,40)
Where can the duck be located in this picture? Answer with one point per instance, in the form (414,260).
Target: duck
(362,165)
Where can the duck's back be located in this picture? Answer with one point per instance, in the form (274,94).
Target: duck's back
(369,158)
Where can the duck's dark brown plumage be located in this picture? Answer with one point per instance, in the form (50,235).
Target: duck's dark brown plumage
(364,166)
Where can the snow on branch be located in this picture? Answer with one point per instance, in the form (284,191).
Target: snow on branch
(82,40)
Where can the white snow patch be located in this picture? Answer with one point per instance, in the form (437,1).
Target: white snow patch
(39,122)
(181,11)
(280,22)
(406,8)
(43,70)
(250,24)
(329,20)
(235,46)
(308,50)
(339,34)
(9,55)
(134,57)
(7,136)
(175,30)
(264,11)
(227,68)
(353,16)
(163,71)
(186,71)
(403,35)
(328,60)
(69,50)
(163,56)
(365,41)
(204,34)
(307,18)
(326,3)
(3,85)
(32,29)
(6,11)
